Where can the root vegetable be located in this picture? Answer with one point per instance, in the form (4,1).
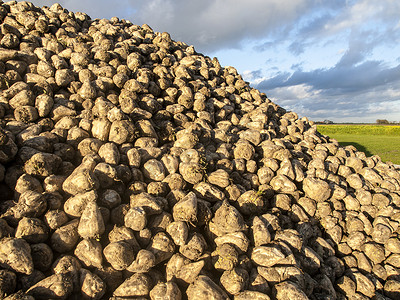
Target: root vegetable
(22,98)
(251,295)
(138,284)
(235,280)
(26,114)
(136,218)
(186,140)
(134,157)
(53,183)
(267,256)
(161,246)
(92,286)
(391,288)
(179,232)
(30,204)
(5,229)
(208,192)
(111,277)
(82,178)
(191,172)
(27,182)
(32,230)
(237,239)
(144,237)
(124,234)
(164,290)
(258,283)
(91,224)
(261,234)
(8,282)
(64,77)
(15,254)
(287,289)
(109,153)
(182,269)
(67,264)
(251,202)
(316,189)
(244,150)
(160,222)
(55,218)
(27,281)
(89,146)
(204,287)
(121,132)
(225,257)
(43,164)
(149,203)
(89,252)
(75,205)
(228,219)
(219,178)
(154,169)
(105,174)
(194,247)
(42,256)
(101,129)
(171,163)
(145,260)
(65,237)
(57,286)
(119,254)
(118,214)
(186,209)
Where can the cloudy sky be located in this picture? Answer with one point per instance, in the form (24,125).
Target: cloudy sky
(336,59)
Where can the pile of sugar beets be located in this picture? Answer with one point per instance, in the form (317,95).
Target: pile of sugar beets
(133,167)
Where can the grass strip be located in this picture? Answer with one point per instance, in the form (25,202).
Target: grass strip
(371,139)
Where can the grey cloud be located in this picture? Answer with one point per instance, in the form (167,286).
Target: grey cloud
(338,93)
(208,25)
(297,67)
(252,75)
(363,42)
(297,47)
(309,33)
(338,79)
(211,25)
(309,28)
(265,46)
(337,20)
(314,25)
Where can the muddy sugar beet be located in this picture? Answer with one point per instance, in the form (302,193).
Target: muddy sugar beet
(133,167)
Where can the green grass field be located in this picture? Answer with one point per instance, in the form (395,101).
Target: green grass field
(382,140)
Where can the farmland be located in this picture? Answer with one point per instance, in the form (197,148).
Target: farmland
(382,140)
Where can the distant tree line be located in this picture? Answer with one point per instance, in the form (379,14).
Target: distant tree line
(385,122)
(324,122)
(378,121)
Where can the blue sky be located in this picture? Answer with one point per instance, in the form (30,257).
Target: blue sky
(336,60)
